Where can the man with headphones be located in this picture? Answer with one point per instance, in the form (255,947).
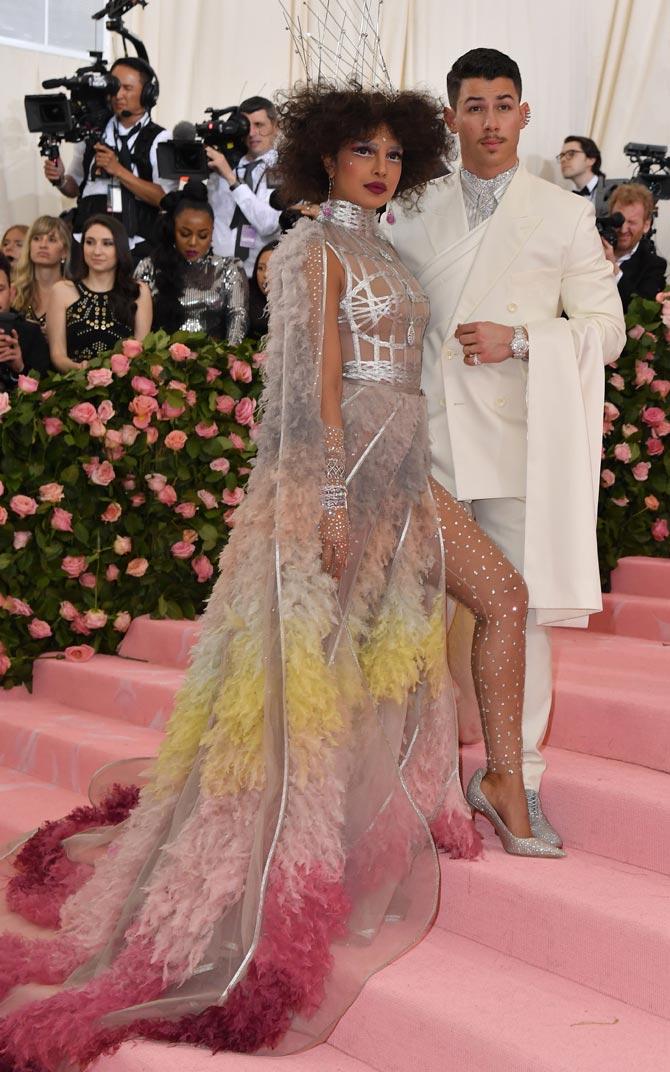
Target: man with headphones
(120,174)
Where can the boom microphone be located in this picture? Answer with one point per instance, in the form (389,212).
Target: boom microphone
(184,131)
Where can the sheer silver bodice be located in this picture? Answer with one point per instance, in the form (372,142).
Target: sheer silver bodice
(215,296)
(383,311)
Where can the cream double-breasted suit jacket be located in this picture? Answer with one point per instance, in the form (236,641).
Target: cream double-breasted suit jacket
(513,429)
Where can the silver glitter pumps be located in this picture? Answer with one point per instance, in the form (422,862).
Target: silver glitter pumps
(516,846)
(539,823)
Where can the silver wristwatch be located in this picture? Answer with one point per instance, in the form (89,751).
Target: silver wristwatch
(519,343)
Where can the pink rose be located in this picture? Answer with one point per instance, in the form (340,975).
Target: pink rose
(99,377)
(617,381)
(629,430)
(27,384)
(232,498)
(202,568)
(39,629)
(607,478)
(61,520)
(178,385)
(241,371)
(182,549)
(225,404)
(661,387)
(156,481)
(5,663)
(207,499)
(123,545)
(229,517)
(119,364)
(111,513)
(137,567)
(87,580)
(143,409)
(74,565)
(636,332)
(105,411)
(659,530)
(237,441)
(95,619)
(254,433)
(122,621)
(167,495)
(185,509)
(654,447)
(3,516)
(622,452)
(170,413)
(138,500)
(21,539)
(97,429)
(651,502)
(641,470)
(243,470)
(220,465)
(189,535)
(244,411)
(79,653)
(128,435)
(5,404)
(131,348)
(143,386)
(663,428)
(84,413)
(206,431)
(621,502)
(53,426)
(175,440)
(51,493)
(78,625)
(151,435)
(260,358)
(17,606)
(102,474)
(157,371)
(68,611)
(112,572)
(23,505)
(179,352)
(211,374)
(191,398)
(644,373)
(653,416)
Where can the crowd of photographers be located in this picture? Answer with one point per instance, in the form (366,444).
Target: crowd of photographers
(176,230)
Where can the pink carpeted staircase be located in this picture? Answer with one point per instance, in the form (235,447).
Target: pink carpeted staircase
(532,966)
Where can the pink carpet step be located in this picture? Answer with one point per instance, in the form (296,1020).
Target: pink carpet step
(121,689)
(64,746)
(160,641)
(643,576)
(597,922)
(611,697)
(617,810)
(623,614)
(26,802)
(157,1057)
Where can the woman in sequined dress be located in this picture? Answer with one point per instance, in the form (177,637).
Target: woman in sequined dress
(192,288)
(282,852)
(102,304)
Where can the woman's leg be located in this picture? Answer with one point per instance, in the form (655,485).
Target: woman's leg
(479,576)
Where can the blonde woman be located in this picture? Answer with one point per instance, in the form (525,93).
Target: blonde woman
(42,262)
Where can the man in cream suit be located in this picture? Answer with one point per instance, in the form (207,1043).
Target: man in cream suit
(515,390)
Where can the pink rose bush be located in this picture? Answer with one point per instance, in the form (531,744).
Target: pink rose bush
(635,480)
(101,471)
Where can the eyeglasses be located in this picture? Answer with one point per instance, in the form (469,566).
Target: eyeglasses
(569,153)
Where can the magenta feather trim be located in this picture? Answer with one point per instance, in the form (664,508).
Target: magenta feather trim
(456,834)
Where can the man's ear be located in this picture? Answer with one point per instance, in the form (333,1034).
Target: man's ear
(525,113)
(450,119)
(647,226)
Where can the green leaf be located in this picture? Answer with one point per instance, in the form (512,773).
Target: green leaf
(70,475)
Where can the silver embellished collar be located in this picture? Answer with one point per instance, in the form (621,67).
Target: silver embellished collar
(346,214)
(477,186)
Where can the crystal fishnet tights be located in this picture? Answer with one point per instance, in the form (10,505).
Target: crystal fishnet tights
(480,577)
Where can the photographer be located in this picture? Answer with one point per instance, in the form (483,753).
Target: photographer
(23,347)
(638,268)
(244,219)
(120,173)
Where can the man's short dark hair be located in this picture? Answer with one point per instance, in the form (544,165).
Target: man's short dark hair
(589,147)
(136,63)
(485,63)
(259,104)
(6,267)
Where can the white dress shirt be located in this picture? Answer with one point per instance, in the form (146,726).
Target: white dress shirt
(254,202)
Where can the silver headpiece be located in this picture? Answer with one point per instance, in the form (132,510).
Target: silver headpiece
(338,41)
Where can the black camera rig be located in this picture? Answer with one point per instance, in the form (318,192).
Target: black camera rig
(185,157)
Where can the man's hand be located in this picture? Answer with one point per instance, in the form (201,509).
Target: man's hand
(218,162)
(54,170)
(608,250)
(10,351)
(106,159)
(489,343)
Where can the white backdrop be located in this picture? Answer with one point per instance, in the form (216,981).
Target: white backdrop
(599,67)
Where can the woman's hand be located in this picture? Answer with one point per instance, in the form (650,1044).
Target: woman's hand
(334,533)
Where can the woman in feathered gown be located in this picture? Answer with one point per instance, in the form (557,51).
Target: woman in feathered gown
(281,851)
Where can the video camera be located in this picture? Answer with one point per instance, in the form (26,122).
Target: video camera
(80,117)
(185,156)
(653,167)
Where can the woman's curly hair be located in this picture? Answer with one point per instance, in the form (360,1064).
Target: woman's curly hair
(317,121)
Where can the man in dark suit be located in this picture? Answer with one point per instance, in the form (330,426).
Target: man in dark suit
(23,348)
(639,269)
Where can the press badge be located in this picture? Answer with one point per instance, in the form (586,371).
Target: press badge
(114,199)
(248,236)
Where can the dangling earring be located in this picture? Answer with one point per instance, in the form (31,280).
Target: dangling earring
(526,115)
(327,208)
(390,215)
